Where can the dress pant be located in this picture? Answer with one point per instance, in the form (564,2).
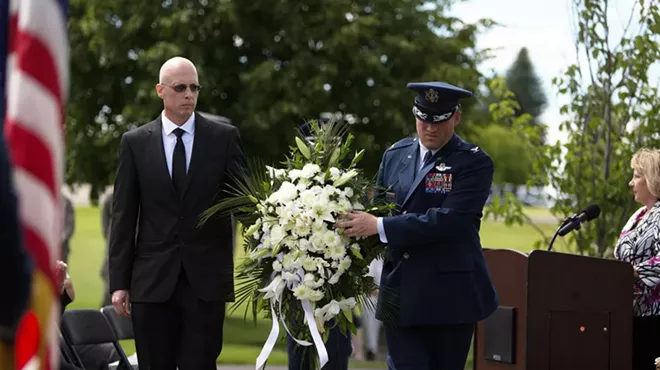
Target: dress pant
(338,346)
(433,347)
(184,332)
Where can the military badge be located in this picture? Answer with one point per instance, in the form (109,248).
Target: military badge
(438,183)
(431,96)
(475,149)
(442,167)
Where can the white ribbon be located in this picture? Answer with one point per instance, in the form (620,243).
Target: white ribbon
(275,331)
(318,341)
(270,342)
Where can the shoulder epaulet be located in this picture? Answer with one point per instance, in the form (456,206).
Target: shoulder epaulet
(467,146)
(403,143)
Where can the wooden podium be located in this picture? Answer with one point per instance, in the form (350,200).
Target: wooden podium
(557,312)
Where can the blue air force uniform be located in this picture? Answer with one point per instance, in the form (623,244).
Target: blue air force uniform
(435,284)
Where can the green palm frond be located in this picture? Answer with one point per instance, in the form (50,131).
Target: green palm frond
(242,196)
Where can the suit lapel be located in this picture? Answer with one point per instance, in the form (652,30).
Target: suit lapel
(156,147)
(420,175)
(407,172)
(200,145)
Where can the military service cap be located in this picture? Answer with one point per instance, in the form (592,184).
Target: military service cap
(436,102)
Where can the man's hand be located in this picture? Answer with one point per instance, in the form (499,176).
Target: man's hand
(60,271)
(358,224)
(121,302)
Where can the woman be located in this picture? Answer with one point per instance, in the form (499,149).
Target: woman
(639,245)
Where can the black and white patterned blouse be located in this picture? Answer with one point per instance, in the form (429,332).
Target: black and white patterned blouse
(639,245)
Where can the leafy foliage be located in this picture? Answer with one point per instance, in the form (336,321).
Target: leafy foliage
(612,111)
(267,65)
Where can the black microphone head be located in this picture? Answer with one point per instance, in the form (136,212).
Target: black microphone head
(592,211)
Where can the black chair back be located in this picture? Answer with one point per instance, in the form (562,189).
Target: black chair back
(122,325)
(85,327)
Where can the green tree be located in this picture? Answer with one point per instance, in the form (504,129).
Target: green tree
(268,65)
(526,85)
(606,96)
(510,166)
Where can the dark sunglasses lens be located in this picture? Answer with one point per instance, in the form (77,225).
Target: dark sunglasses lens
(195,88)
(180,88)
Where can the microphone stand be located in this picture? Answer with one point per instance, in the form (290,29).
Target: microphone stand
(564,223)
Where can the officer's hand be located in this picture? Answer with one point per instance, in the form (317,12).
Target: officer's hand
(358,224)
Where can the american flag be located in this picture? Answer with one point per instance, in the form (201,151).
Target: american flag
(35,89)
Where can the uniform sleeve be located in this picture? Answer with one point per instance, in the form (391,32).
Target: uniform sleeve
(458,215)
(649,270)
(125,210)
(379,184)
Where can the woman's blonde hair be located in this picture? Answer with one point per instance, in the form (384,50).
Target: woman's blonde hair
(647,163)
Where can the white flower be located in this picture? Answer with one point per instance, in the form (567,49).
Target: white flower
(335,252)
(274,289)
(334,173)
(348,192)
(276,234)
(286,193)
(332,309)
(308,197)
(331,238)
(295,175)
(311,281)
(309,170)
(303,292)
(323,212)
(277,266)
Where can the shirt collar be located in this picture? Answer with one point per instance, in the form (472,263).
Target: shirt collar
(423,150)
(169,126)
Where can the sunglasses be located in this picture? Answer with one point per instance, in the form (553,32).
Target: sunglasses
(182,87)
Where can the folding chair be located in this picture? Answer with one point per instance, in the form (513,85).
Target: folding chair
(123,327)
(86,327)
(65,351)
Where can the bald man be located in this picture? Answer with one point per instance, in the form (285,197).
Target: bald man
(170,275)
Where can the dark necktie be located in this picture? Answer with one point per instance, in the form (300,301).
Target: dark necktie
(179,163)
(427,157)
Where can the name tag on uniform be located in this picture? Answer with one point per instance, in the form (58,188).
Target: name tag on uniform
(438,183)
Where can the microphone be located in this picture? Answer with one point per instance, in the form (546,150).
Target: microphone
(574,222)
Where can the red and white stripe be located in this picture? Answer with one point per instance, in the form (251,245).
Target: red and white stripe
(37,87)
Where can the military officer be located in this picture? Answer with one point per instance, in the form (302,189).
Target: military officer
(435,284)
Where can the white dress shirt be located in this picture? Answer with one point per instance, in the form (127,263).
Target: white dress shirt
(422,153)
(169,139)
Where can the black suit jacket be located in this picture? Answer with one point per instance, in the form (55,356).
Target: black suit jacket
(154,233)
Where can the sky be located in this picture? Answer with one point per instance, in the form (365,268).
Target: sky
(546,28)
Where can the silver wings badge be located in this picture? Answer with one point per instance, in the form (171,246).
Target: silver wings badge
(442,167)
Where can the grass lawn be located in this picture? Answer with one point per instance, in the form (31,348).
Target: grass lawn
(243,340)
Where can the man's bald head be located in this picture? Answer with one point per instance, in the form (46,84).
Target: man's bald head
(179,88)
(175,66)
